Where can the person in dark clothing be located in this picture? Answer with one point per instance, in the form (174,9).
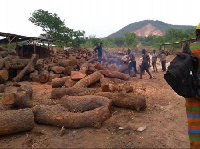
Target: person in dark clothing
(145,64)
(99,49)
(132,62)
(163,60)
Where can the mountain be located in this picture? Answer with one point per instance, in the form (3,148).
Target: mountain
(148,27)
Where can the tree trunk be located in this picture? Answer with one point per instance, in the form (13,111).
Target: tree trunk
(115,74)
(14,121)
(3,76)
(123,68)
(44,76)
(2,61)
(52,76)
(85,82)
(99,66)
(84,103)
(29,68)
(77,75)
(126,100)
(34,76)
(57,115)
(57,69)
(69,82)
(58,82)
(57,93)
(16,63)
(84,68)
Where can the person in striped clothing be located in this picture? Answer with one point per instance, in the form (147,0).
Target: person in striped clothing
(193,104)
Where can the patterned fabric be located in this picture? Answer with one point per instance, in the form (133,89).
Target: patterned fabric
(193,106)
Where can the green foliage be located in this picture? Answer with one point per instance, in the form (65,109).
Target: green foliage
(55,28)
(130,40)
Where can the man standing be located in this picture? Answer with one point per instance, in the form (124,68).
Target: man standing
(99,49)
(163,60)
(145,64)
(132,62)
(154,59)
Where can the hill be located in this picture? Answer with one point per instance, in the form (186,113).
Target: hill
(148,27)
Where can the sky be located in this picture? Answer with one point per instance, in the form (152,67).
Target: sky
(98,18)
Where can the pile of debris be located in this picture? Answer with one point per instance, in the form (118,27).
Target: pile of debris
(85,89)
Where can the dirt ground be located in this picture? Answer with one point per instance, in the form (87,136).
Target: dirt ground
(164,120)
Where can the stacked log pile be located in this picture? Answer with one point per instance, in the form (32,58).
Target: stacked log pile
(85,88)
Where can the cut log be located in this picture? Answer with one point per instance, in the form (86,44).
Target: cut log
(84,103)
(99,66)
(90,79)
(28,69)
(14,121)
(77,75)
(2,61)
(52,76)
(112,67)
(69,82)
(123,68)
(21,99)
(16,63)
(57,69)
(57,115)
(3,53)
(34,76)
(126,100)
(84,68)
(57,93)
(115,74)
(3,76)
(58,82)
(44,76)
(66,71)
(40,65)
(2,88)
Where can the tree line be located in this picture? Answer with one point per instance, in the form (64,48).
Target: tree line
(55,28)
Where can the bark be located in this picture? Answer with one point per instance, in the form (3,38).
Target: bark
(84,68)
(115,74)
(58,93)
(28,69)
(14,121)
(69,82)
(99,66)
(123,68)
(34,76)
(90,79)
(61,117)
(126,100)
(44,76)
(2,61)
(52,76)
(3,76)
(58,82)
(57,69)
(2,88)
(84,103)
(16,64)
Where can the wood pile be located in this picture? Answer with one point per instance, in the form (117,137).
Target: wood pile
(85,89)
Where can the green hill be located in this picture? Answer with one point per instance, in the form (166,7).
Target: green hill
(157,24)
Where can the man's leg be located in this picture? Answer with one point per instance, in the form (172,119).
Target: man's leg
(134,66)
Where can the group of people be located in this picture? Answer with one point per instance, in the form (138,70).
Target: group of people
(146,62)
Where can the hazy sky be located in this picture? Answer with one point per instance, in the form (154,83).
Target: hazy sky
(97,17)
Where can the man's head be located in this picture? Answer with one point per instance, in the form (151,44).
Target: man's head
(154,51)
(198,32)
(143,51)
(100,43)
(129,51)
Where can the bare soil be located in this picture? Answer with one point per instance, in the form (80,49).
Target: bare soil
(164,119)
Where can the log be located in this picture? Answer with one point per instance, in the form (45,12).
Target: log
(123,68)
(3,53)
(90,79)
(84,68)
(77,75)
(16,64)
(99,66)
(115,74)
(57,115)
(52,76)
(58,93)
(84,103)
(40,65)
(14,121)
(28,69)
(57,69)
(2,61)
(58,82)
(3,76)
(44,76)
(34,76)
(126,100)
(69,82)
(2,88)
(21,99)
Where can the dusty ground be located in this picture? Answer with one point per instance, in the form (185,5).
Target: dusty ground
(164,119)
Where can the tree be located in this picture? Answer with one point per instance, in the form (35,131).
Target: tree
(119,41)
(130,40)
(55,28)
(174,35)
